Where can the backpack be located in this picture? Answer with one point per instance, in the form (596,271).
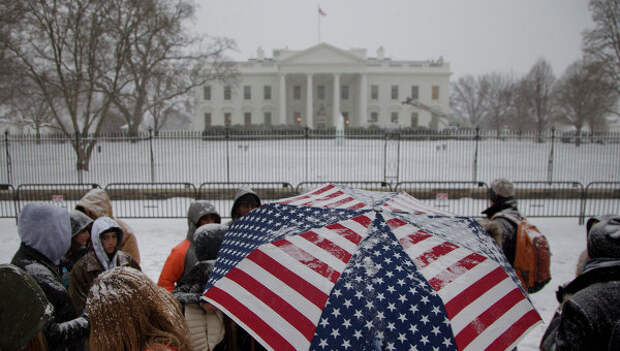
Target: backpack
(532,256)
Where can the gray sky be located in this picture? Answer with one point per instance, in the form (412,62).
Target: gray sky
(475,36)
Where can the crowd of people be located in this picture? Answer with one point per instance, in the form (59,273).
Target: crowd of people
(76,282)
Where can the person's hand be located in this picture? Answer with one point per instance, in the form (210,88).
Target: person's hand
(207,307)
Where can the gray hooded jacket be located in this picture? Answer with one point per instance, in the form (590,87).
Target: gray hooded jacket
(242,193)
(100,226)
(45,228)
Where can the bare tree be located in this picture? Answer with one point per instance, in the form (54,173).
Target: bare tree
(165,61)
(539,83)
(468,99)
(499,100)
(603,42)
(585,94)
(519,115)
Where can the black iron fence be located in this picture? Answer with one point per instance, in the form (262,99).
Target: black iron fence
(304,155)
(171,200)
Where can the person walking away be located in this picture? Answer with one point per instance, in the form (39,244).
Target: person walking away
(205,322)
(45,234)
(80,242)
(129,312)
(96,203)
(107,235)
(588,317)
(199,213)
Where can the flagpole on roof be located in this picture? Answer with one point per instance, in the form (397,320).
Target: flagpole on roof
(318,17)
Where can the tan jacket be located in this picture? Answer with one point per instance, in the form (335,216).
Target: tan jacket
(96,203)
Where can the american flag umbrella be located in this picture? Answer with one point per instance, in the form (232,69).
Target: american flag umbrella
(346,269)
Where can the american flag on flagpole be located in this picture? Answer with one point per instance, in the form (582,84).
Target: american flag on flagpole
(332,270)
(321,12)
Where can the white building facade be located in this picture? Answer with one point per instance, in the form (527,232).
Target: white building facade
(314,87)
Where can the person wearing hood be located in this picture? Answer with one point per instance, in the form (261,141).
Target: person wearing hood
(503,230)
(145,317)
(589,314)
(45,234)
(107,235)
(245,201)
(80,240)
(206,324)
(96,203)
(200,212)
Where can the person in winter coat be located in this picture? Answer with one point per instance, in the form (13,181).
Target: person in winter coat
(589,313)
(206,324)
(503,202)
(128,312)
(96,203)
(80,240)
(25,310)
(245,201)
(199,213)
(45,233)
(105,255)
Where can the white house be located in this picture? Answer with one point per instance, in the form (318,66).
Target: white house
(313,87)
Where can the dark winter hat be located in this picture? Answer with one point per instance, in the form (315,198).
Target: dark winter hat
(501,187)
(604,238)
(79,221)
(24,308)
(207,240)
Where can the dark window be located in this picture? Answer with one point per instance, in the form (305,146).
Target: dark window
(297,92)
(267,118)
(247,119)
(227,119)
(414,119)
(345,116)
(394,117)
(374,117)
(344,92)
(374,92)
(247,92)
(415,92)
(435,92)
(227,92)
(298,118)
(394,92)
(206,92)
(267,92)
(321,92)
(207,120)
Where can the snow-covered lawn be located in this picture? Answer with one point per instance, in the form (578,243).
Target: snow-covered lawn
(157,236)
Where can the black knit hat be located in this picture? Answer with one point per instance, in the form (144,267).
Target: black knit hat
(604,238)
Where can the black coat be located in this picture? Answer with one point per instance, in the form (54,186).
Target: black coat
(65,331)
(508,227)
(590,314)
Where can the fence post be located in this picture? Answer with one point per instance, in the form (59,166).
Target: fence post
(385,143)
(227,138)
(307,136)
(550,163)
(476,140)
(79,156)
(152,158)
(8,157)
(398,156)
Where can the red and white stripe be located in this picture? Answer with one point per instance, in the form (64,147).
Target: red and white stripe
(404,202)
(328,196)
(487,309)
(279,290)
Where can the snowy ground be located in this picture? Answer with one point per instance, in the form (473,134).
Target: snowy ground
(157,236)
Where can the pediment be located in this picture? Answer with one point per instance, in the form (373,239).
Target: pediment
(322,54)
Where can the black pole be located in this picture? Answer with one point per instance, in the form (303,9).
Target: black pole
(152,158)
(8,158)
(477,138)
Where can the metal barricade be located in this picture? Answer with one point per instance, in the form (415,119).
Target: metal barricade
(549,199)
(63,194)
(151,200)
(8,201)
(364,185)
(222,194)
(601,198)
(460,198)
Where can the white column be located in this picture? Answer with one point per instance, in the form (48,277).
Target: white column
(363,106)
(282,99)
(336,99)
(309,112)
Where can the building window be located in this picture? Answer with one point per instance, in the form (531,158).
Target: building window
(207,120)
(394,117)
(247,119)
(344,92)
(206,92)
(415,92)
(267,118)
(227,119)
(227,92)
(267,92)
(247,92)
(435,92)
(297,92)
(321,92)
(414,119)
(394,92)
(298,119)
(374,92)
(345,117)
(374,117)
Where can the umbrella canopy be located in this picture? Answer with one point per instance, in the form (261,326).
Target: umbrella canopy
(347,269)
